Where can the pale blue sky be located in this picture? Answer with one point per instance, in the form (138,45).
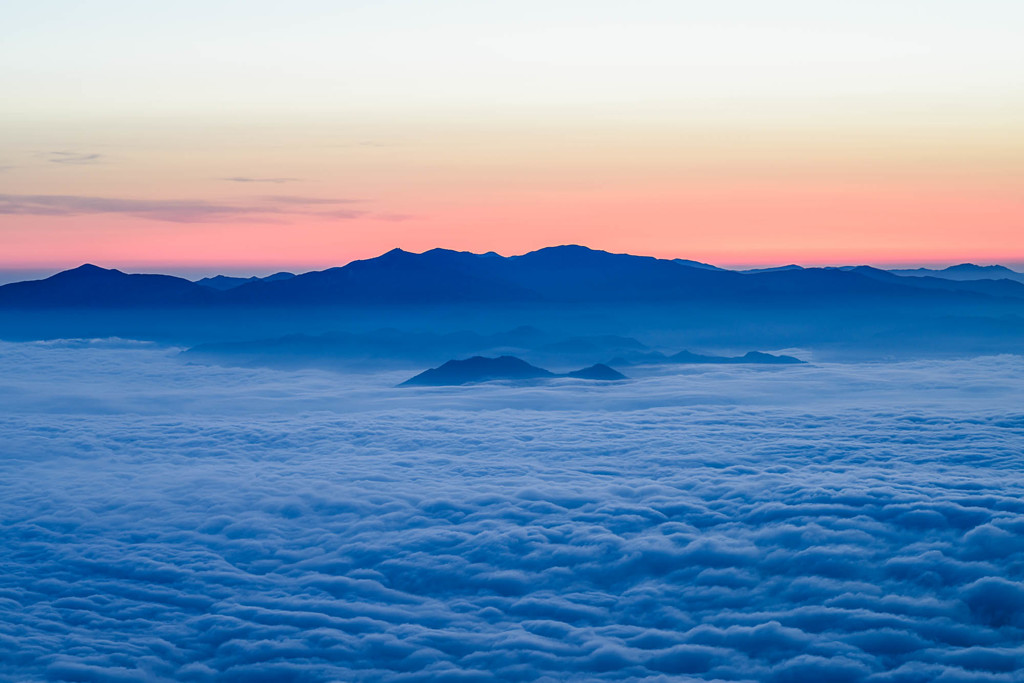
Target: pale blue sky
(202,58)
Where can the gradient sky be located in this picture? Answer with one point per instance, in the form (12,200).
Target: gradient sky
(257,135)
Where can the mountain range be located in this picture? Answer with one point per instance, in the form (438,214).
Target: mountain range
(223,282)
(964,271)
(592,305)
(562,275)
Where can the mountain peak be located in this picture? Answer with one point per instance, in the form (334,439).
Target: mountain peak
(86,270)
(91,268)
(483,369)
(567,254)
(567,249)
(598,371)
(477,369)
(976,267)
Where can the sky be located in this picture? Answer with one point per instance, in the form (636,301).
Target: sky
(258,136)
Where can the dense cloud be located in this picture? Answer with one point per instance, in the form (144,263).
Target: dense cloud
(165,521)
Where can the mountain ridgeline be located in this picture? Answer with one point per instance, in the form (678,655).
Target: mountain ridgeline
(586,302)
(567,274)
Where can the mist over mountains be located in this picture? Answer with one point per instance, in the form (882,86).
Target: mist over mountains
(566,291)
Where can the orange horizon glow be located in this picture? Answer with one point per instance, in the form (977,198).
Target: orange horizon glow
(725,222)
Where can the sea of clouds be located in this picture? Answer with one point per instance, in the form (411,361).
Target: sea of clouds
(167,521)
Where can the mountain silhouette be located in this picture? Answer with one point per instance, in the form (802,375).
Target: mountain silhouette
(567,274)
(697,264)
(224,282)
(776,269)
(551,276)
(482,369)
(477,369)
(92,286)
(598,371)
(1005,287)
(397,277)
(964,271)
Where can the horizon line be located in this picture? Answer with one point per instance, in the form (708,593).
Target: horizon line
(198,270)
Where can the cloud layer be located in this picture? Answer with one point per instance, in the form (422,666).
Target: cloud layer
(833,523)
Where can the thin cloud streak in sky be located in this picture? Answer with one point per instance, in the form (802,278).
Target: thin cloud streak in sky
(241,179)
(269,208)
(74,158)
(169,210)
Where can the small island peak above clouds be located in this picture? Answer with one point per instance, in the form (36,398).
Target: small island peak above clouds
(504,368)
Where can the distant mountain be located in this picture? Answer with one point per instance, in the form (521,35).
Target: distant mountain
(696,264)
(598,371)
(477,369)
(751,357)
(481,369)
(397,277)
(564,275)
(592,302)
(1005,287)
(224,282)
(776,269)
(964,271)
(92,286)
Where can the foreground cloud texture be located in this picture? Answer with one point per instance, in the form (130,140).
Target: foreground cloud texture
(165,521)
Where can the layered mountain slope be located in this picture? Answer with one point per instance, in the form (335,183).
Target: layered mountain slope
(964,271)
(554,275)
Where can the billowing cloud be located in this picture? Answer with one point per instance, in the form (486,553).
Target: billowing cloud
(165,521)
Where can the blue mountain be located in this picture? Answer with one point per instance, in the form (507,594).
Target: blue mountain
(482,369)
(964,271)
(223,282)
(554,275)
(397,277)
(1004,287)
(477,369)
(598,371)
(92,286)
